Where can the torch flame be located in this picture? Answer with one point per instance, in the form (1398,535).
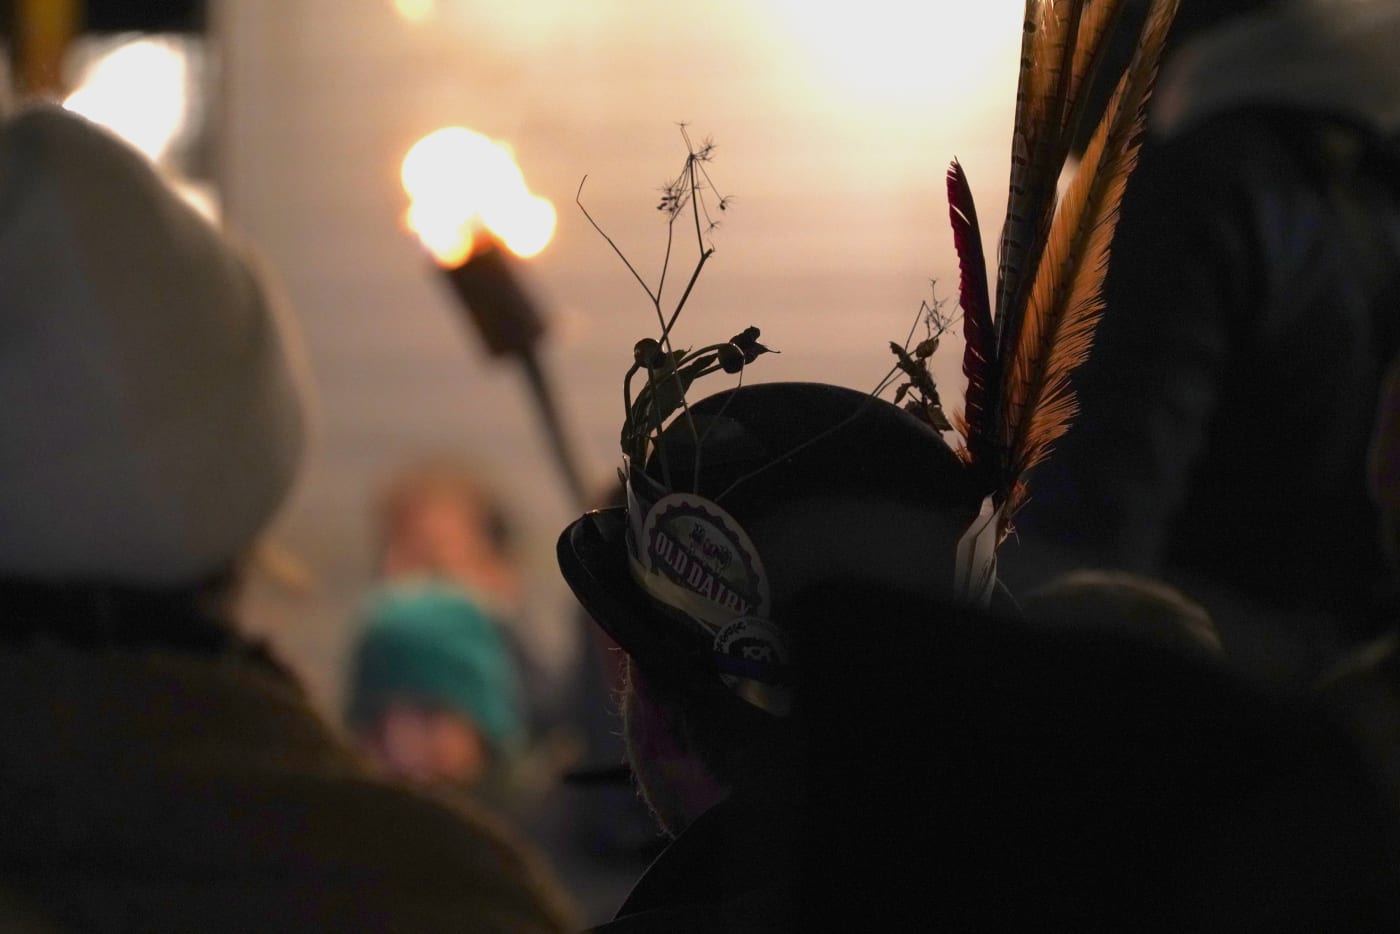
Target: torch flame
(458,182)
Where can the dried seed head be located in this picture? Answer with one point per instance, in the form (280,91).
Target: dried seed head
(647,353)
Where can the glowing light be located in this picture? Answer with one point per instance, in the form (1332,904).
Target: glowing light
(446,235)
(415,11)
(526,229)
(139,91)
(893,53)
(459,181)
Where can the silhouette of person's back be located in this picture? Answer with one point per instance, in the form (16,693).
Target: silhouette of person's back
(1253,302)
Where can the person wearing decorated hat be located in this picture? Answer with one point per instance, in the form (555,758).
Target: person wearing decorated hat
(800,485)
(159,771)
(742,504)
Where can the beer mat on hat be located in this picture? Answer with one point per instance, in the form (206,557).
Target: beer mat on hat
(695,557)
(596,565)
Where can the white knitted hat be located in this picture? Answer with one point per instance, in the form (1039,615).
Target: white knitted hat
(151,417)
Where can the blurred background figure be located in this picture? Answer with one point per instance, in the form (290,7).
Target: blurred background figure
(441,691)
(434,694)
(436,521)
(1253,302)
(436,686)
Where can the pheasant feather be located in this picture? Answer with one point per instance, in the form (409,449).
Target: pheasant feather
(1066,45)
(980,354)
(1065,301)
(1012,246)
(1098,21)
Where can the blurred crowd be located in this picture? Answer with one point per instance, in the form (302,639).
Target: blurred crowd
(1177,709)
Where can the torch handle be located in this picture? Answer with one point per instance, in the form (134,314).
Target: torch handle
(500,310)
(553,424)
(505,317)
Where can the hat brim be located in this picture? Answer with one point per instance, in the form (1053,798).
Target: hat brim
(592,556)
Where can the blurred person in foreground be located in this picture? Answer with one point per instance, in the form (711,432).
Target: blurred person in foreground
(1364,686)
(159,771)
(1119,602)
(980,775)
(1253,303)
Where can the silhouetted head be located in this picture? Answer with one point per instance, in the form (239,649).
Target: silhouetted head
(749,500)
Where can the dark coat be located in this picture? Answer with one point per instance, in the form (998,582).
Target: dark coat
(1253,303)
(1228,404)
(158,790)
(729,871)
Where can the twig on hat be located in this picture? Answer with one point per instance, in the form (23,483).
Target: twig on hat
(670,372)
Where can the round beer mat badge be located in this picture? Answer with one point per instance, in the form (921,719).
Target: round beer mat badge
(752,658)
(701,561)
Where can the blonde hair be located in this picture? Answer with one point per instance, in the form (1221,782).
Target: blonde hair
(443,477)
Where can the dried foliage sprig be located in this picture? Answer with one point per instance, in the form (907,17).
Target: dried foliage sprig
(692,196)
(918,392)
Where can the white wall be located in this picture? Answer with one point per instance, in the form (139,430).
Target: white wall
(838,220)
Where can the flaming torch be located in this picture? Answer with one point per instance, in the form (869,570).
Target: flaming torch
(470,207)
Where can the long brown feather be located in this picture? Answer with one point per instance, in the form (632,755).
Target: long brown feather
(1069,44)
(1066,298)
(1048,50)
(1012,245)
(1099,18)
(979,355)
(1064,307)
(1050,78)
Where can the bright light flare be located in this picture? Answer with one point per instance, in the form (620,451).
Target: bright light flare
(415,11)
(140,91)
(459,181)
(526,228)
(444,233)
(895,53)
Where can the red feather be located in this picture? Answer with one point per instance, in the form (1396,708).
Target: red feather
(979,357)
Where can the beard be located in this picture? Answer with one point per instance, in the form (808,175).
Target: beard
(671,782)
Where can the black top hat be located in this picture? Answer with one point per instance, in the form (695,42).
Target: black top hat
(758,494)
